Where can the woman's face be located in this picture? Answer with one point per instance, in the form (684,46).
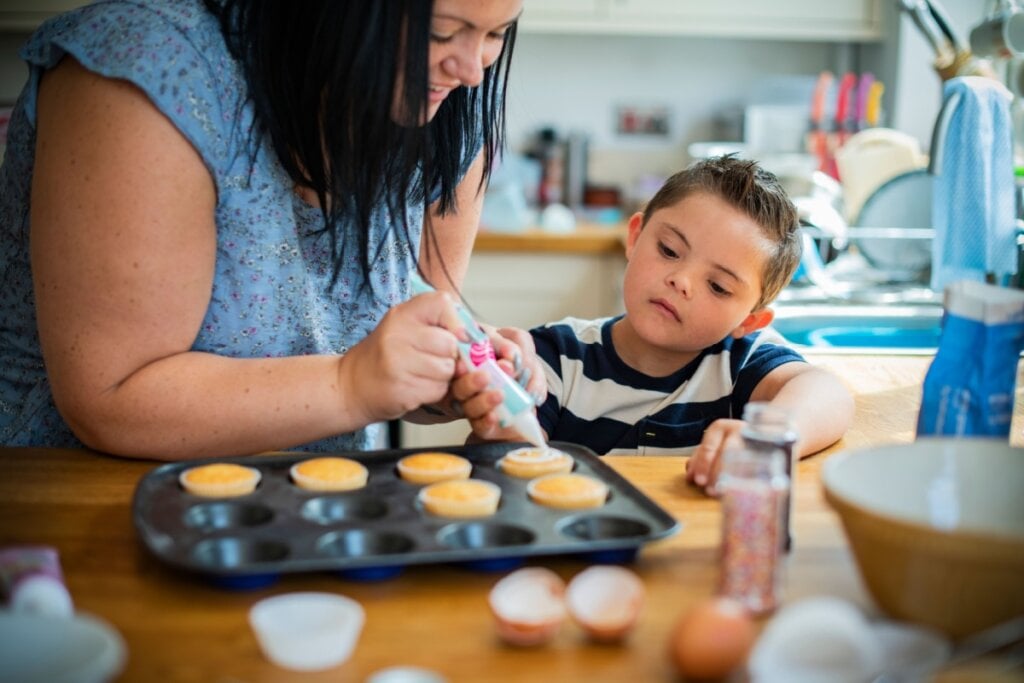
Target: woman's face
(466,37)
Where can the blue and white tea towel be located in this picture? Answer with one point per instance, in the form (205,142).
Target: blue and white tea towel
(973,204)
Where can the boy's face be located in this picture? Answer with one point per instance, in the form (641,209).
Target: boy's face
(693,278)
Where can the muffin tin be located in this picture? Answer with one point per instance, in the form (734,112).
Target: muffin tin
(381,528)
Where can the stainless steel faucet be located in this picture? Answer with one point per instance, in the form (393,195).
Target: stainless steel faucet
(953,56)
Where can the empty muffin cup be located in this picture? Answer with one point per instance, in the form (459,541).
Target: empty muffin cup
(307,631)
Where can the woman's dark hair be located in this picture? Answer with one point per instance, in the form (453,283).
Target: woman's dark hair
(321,77)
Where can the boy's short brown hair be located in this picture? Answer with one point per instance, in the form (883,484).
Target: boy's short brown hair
(751,189)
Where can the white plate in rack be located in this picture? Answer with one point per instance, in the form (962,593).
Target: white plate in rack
(903,202)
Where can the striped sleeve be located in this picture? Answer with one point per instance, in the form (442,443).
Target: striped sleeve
(753,357)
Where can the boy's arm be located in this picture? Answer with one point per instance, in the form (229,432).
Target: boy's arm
(819,404)
(816,400)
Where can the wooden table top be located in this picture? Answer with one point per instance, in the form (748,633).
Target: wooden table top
(180,629)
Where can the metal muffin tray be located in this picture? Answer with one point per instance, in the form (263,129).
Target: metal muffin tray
(380,529)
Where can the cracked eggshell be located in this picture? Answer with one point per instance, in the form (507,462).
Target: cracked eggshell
(528,606)
(606,601)
(820,638)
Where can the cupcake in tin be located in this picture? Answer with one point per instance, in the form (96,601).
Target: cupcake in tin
(220,480)
(568,491)
(329,474)
(461,498)
(428,467)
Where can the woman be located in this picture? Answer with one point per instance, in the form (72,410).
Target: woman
(211,210)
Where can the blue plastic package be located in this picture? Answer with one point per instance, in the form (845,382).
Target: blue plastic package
(969,387)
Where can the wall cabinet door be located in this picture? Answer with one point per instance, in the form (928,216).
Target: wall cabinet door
(532,288)
(785,19)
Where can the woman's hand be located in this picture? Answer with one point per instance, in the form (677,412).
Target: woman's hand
(408,361)
(706,461)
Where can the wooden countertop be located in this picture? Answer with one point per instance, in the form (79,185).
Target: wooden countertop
(179,629)
(586,238)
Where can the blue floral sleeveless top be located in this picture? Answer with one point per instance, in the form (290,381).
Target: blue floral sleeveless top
(271,292)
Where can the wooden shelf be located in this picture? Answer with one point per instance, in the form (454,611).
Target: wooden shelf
(585,239)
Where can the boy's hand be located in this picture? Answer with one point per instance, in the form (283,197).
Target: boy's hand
(704,464)
(516,357)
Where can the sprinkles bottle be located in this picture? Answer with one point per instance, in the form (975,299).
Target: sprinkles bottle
(754,487)
(765,429)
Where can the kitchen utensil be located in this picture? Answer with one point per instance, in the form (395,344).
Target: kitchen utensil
(818,143)
(840,132)
(867,79)
(1000,34)
(903,202)
(935,528)
(378,530)
(873,111)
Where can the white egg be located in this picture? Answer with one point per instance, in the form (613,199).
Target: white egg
(817,639)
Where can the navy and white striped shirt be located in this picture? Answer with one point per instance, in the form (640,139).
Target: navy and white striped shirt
(596,400)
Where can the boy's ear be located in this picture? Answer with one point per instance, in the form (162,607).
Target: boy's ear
(755,321)
(636,224)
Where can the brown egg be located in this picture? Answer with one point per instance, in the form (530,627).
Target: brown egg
(712,639)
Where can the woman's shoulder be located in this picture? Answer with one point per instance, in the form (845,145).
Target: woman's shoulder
(125,30)
(173,51)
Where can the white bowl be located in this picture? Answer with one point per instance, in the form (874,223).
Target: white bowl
(37,648)
(936,527)
(307,631)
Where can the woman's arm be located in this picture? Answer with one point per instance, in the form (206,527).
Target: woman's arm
(123,248)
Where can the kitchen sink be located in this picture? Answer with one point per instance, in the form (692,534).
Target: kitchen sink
(859,328)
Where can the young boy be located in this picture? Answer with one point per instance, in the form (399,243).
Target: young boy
(710,251)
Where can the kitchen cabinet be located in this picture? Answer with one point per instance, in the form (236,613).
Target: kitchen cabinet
(530,288)
(852,20)
(26,15)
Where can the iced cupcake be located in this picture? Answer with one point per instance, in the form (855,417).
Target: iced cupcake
(530,462)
